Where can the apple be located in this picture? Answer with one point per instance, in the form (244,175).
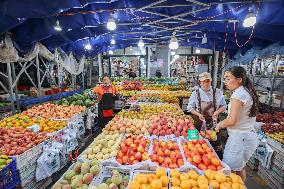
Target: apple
(196,159)
(138,156)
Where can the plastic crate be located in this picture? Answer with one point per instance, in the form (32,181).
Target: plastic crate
(105,173)
(27,173)
(29,156)
(8,176)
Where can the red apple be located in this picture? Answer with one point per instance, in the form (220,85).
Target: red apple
(138,156)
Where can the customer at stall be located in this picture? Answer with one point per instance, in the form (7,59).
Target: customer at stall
(131,74)
(242,109)
(206,103)
(106,95)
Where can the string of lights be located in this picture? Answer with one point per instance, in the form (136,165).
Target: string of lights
(252,31)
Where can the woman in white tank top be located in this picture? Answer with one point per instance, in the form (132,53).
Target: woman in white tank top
(242,109)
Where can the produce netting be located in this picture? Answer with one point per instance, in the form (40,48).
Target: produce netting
(8,54)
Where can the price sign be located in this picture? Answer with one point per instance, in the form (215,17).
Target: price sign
(192,135)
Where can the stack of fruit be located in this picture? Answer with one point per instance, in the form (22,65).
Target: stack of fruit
(133,149)
(170,123)
(103,147)
(77,99)
(14,141)
(275,117)
(53,111)
(24,121)
(220,180)
(132,85)
(188,180)
(158,108)
(127,93)
(129,126)
(18,121)
(116,181)
(80,176)
(4,160)
(274,131)
(155,180)
(166,154)
(199,154)
(209,134)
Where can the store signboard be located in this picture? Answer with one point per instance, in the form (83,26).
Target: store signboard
(158,63)
(192,135)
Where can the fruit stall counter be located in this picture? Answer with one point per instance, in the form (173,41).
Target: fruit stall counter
(134,140)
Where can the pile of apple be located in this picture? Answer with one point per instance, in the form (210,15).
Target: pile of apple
(133,149)
(275,117)
(159,108)
(134,114)
(166,154)
(103,147)
(199,154)
(54,111)
(15,141)
(168,124)
(132,85)
(129,126)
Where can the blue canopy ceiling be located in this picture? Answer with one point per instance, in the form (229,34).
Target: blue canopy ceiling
(83,21)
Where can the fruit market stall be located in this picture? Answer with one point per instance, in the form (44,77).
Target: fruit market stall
(268,158)
(148,146)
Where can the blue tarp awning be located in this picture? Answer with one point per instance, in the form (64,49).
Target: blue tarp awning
(31,21)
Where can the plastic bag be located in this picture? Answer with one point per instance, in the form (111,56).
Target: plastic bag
(48,163)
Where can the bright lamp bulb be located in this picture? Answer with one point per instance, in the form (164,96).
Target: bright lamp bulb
(112,42)
(250,19)
(57,26)
(176,56)
(197,51)
(173,53)
(110,52)
(88,46)
(140,43)
(173,43)
(111,25)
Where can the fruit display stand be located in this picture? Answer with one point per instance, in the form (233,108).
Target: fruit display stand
(114,177)
(8,172)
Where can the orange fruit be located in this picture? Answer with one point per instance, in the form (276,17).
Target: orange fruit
(175,181)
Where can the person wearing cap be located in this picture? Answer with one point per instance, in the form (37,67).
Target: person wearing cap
(206,103)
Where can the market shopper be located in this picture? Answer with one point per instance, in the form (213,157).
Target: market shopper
(206,103)
(106,94)
(242,109)
(131,74)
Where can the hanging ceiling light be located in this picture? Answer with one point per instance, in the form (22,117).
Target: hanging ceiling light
(112,41)
(250,19)
(176,56)
(110,52)
(174,42)
(57,26)
(204,39)
(143,51)
(173,53)
(140,43)
(88,46)
(197,51)
(111,25)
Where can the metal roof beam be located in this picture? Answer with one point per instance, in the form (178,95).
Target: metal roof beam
(164,15)
(181,15)
(150,5)
(198,3)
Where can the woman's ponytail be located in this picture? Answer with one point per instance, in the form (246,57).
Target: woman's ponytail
(240,72)
(250,88)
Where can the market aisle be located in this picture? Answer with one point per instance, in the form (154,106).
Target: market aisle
(254,181)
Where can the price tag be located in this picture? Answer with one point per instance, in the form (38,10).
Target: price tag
(35,128)
(192,135)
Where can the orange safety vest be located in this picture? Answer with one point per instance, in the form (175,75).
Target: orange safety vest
(100,90)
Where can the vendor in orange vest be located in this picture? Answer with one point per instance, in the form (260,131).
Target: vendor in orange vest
(106,93)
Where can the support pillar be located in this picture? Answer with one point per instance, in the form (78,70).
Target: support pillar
(100,65)
(16,89)
(215,77)
(39,91)
(10,81)
(223,70)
